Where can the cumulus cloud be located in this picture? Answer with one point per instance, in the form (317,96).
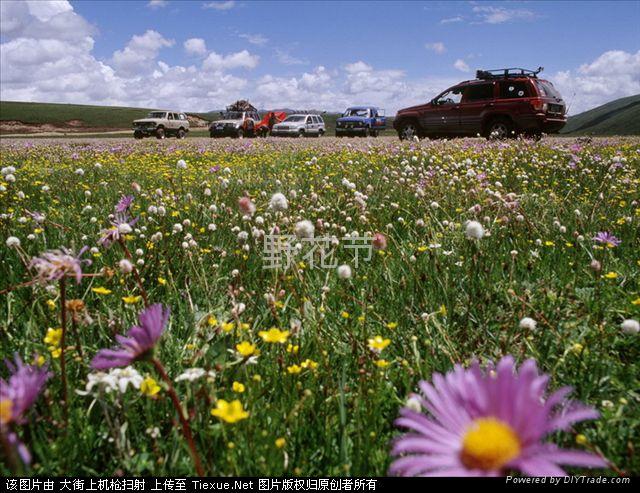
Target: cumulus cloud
(140,52)
(614,74)
(437,47)
(255,39)
(499,15)
(461,65)
(451,20)
(285,58)
(195,46)
(157,4)
(242,59)
(228,5)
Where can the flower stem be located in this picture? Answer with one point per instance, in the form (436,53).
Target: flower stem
(63,364)
(184,420)
(136,274)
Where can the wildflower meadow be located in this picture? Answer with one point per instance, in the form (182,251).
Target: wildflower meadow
(320,307)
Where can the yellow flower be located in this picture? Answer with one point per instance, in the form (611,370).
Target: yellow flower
(636,302)
(280,442)
(245,349)
(130,300)
(55,352)
(577,348)
(382,363)
(442,310)
(149,387)
(40,360)
(162,281)
(274,335)
(101,290)
(392,325)
(230,412)
(549,243)
(309,363)
(51,304)
(294,369)
(611,275)
(581,439)
(345,315)
(53,337)
(6,411)
(238,387)
(293,349)
(212,321)
(227,326)
(377,344)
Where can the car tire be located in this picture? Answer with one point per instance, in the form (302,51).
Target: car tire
(160,134)
(212,135)
(499,128)
(301,133)
(408,131)
(180,135)
(137,135)
(375,133)
(240,134)
(320,133)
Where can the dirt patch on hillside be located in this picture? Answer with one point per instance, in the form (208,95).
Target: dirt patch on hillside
(197,122)
(71,126)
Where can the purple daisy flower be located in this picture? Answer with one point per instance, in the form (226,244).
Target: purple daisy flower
(137,343)
(121,222)
(125,203)
(56,264)
(19,393)
(606,238)
(485,423)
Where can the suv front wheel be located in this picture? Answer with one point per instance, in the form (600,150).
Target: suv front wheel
(499,128)
(180,134)
(160,133)
(408,131)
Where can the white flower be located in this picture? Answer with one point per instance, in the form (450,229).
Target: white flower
(413,403)
(125,266)
(13,242)
(116,379)
(528,323)
(126,376)
(182,164)
(474,230)
(304,229)
(124,228)
(344,272)
(79,172)
(278,202)
(8,170)
(177,228)
(630,326)
(10,178)
(191,374)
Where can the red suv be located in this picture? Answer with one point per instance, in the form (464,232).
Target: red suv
(498,103)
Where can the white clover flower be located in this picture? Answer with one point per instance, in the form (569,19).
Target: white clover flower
(126,267)
(79,172)
(10,178)
(13,242)
(177,228)
(344,271)
(304,229)
(124,228)
(182,164)
(528,323)
(278,202)
(474,230)
(630,326)
(413,403)
(191,374)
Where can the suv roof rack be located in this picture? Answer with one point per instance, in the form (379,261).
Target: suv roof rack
(501,73)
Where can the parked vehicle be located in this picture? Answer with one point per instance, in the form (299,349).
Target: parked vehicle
(361,120)
(497,104)
(264,126)
(161,124)
(300,125)
(238,121)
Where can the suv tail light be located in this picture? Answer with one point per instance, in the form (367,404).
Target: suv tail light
(538,104)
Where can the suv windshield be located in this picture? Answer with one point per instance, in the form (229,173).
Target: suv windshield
(547,89)
(298,118)
(233,115)
(356,112)
(156,114)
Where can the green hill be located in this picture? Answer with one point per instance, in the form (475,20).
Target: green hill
(619,117)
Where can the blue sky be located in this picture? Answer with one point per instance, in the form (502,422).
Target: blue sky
(316,53)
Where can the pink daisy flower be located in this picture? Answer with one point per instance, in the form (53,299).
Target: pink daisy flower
(486,423)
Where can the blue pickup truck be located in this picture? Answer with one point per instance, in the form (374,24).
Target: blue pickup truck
(361,120)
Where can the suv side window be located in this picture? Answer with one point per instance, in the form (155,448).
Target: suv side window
(183,116)
(478,92)
(169,116)
(452,96)
(514,89)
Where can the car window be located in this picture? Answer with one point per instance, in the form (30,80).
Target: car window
(320,120)
(170,116)
(478,92)
(547,89)
(296,118)
(309,120)
(452,96)
(514,89)
(156,114)
(183,116)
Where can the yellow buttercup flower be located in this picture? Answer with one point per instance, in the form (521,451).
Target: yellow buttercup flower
(377,344)
(53,337)
(274,335)
(101,290)
(228,326)
(230,412)
(238,387)
(130,300)
(392,325)
(6,411)
(382,363)
(611,275)
(245,349)
(294,369)
(162,281)
(280,442)
(149,387)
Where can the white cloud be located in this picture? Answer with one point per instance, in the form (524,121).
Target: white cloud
(157,4)
(461,65)
(285,58)
(614,74)
(451,20)
(437,47)
(255,39)
(195,46)
(228,5)
(242,59)
(499,15)
(140,52)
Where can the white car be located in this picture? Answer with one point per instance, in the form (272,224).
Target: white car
(161,124)
(236,124)
(300,125)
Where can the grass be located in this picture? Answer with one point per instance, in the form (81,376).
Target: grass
(439,297)
(619,117)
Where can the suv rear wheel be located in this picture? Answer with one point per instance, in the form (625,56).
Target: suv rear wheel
(408,131)
(240,134)
(180,134)
(499,128)
(160,133)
